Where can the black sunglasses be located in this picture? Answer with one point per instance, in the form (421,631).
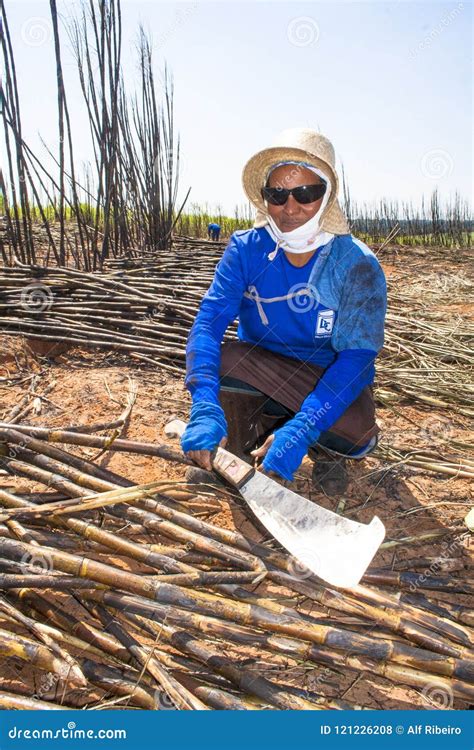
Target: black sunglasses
(278,196)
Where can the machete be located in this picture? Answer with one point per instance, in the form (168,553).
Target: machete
(335,548)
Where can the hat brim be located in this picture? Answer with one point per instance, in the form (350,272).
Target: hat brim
(256,169)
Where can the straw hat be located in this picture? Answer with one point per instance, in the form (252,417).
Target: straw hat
(301,145)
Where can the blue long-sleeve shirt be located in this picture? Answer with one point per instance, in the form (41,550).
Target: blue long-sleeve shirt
(329,312)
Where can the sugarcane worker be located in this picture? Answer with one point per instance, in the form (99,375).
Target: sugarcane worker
(213,231)
(310,301)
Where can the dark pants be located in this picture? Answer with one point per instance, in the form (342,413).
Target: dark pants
(282,383)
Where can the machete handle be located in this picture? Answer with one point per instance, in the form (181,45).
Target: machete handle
(232,468)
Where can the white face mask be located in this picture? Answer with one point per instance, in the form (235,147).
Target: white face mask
(308,236)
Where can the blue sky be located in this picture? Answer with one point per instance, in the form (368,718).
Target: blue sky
(389,83)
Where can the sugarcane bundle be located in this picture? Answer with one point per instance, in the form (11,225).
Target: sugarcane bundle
(137,307)
(169,620)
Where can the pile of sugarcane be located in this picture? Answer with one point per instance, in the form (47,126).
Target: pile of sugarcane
(125,596)
(145,312)
(144,308)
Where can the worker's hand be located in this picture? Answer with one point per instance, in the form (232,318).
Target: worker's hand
(259,453)
(206,429)
(286,449)
(203,457)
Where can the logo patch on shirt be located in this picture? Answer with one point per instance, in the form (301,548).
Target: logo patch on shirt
(325,323)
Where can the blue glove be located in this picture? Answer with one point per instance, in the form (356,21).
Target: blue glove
(291,444)
(206,428)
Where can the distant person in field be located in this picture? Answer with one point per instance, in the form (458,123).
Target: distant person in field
(310,300)
(213,231)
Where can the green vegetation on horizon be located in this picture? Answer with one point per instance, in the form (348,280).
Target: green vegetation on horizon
(195,222)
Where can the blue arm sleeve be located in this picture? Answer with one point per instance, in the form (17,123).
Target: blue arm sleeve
(219,307)
(341,384)
(358,337)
